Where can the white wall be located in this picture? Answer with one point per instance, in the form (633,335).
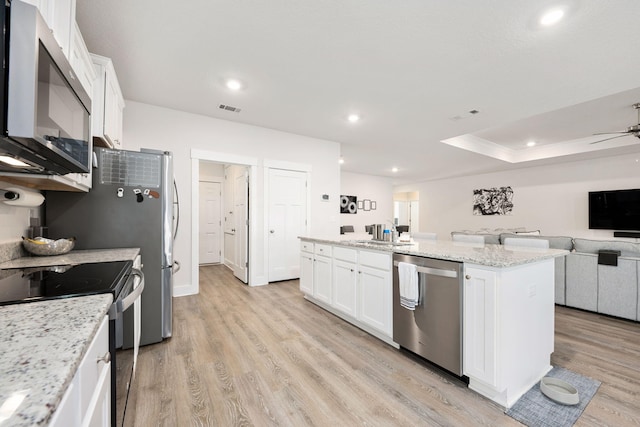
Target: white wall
(211,171)
(377,188)
(155,127)
(553,199)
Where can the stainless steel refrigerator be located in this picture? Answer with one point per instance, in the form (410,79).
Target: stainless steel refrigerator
(131,204)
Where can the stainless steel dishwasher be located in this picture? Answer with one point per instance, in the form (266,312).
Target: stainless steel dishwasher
(434,329)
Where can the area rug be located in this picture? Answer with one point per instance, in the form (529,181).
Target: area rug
(534,409)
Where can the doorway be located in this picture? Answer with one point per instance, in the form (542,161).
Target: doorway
(201,160)
(406,210)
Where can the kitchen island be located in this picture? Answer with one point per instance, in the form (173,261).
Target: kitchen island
(507,303)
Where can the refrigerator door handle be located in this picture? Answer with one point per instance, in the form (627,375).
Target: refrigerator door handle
(176,266)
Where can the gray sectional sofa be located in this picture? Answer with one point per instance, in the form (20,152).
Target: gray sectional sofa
(608,289)
(584,279)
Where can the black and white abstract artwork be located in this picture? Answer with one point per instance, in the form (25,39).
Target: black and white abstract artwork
(493,201)
(348,204)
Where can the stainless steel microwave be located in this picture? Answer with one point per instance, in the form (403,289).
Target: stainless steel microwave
(45,111)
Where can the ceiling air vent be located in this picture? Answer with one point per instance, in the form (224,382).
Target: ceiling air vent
(229,108)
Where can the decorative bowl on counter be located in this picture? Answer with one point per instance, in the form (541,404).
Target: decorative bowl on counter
(46,247)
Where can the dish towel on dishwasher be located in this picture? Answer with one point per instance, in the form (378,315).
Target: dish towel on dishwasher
(408,281)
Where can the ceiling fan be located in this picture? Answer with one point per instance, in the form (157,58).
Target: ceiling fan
(631,130)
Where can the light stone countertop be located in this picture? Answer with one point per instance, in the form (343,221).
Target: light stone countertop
(41,346)
(86,256)
(488,255)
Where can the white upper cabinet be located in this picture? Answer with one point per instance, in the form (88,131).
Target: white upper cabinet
(80,60)
(108,104)
(63,18)
(60,16)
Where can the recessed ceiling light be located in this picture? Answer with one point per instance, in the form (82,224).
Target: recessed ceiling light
(353,118)
(234,84)
(531,143)
(394,170)
(551,17)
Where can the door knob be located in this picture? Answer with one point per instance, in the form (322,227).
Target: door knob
(468,277)
(272,231)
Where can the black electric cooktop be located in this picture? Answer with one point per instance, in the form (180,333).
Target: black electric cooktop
(40,283)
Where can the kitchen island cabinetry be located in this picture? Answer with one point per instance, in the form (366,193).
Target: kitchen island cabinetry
(508,328)
(315,271)
(507,305)
(375,296)
(322,273)
(306,268)
(345,280)
(350,283)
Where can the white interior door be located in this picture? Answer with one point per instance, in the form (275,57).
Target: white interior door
(287,220)
(210,231)
(229,217)
(241,215)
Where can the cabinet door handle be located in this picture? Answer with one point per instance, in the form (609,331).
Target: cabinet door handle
(106,358)
(467,277)
(351,270)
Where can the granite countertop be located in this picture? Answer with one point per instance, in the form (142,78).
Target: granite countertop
(42,346)
(74,257)
(473,253)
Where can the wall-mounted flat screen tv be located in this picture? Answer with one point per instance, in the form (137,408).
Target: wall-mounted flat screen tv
(614,210)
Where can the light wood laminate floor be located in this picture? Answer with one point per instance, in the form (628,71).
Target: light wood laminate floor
(264,356)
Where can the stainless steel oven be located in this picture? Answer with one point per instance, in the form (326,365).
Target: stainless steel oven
(119,278)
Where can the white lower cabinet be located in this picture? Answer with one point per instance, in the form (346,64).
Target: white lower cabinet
(508,328)
(315,271)
(352,283)
(345,280)
(479,319)
(87,401)
(375,298)
(306,272)
(322,278)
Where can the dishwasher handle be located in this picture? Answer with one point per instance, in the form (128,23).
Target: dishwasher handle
(434,271)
